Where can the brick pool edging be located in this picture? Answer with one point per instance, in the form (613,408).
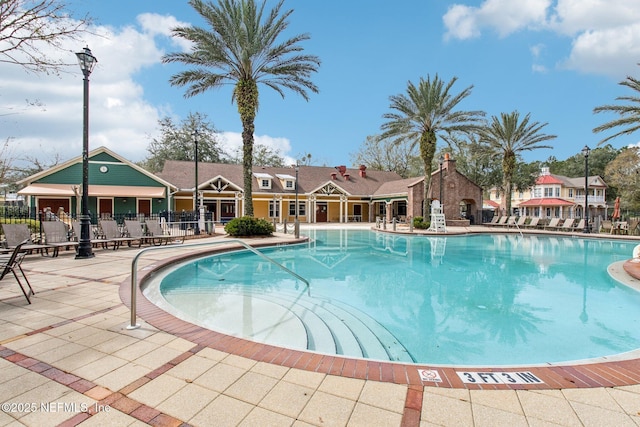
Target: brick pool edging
(587,375)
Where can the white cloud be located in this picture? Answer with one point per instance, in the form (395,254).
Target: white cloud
(606,34)
(155,24)
(502,16)
(121,117)
(232,141)
(613,52)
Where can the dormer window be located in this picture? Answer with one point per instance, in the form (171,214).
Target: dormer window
(264,180)
(288,182)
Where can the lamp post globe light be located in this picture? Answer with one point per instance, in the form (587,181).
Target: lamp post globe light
(585,152)
(87,61)
(196,229)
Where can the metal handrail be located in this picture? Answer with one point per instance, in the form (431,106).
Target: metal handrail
(134,270)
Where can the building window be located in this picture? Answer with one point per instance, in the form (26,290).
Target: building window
(265,183)
(288,184)
(571,192)
(274,209)
(557,191)
(302,209)
(537,192)
(548,191)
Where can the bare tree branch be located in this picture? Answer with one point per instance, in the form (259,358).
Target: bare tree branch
(29,28)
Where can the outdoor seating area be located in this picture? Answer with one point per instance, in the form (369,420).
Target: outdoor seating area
(549,224)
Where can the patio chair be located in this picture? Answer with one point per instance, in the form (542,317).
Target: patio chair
(56,236)
(511,221)
(493,220)
(157,234)
(553,224)
(606,226)
(567,225)
(535,221)
(579,226)
(501,222)
(113,235)
(16,234)
(11,263)
(136,229)
(95,242)
(519,223)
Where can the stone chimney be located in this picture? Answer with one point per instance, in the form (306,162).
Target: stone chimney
(363,171)
(346,176)
(334,175)
(342,169)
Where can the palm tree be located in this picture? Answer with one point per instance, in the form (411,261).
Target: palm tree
(629,119)
(242,49)
(423,113)
(508,137)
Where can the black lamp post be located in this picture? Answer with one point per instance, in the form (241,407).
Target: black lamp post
(585,152)
(296,226)
(196,229)
(441,159)
(87,61)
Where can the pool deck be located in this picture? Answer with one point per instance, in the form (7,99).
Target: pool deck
(68,359)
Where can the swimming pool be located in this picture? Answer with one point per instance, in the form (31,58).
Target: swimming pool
(490,300)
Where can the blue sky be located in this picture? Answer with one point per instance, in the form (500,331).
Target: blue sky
(554,59)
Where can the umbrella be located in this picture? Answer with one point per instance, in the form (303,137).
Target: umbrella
(616,209)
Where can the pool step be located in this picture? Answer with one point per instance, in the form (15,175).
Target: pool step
(373,340)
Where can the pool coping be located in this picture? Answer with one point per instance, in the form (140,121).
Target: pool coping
(589,374)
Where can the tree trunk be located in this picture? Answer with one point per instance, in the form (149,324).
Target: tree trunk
(246,92)
(508,169)
(427,151)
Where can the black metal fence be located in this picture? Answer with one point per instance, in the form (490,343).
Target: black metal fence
(183,223)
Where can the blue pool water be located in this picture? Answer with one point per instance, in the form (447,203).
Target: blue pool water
(462,300)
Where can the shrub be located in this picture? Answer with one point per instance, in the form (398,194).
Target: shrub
(418,222)
(249,226)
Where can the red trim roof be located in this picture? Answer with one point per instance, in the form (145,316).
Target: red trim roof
(546,202)
(491,203)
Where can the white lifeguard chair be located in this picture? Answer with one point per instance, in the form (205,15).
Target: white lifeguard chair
(438,222)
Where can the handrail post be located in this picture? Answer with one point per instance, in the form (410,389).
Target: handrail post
(134,271)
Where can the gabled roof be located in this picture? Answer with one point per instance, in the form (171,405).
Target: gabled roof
(393,188)
(93,153)
(594,181)
(310,178)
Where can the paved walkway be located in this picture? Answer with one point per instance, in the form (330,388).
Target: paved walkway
(68,359)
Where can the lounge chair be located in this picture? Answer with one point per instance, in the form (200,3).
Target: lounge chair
(521,222)
(579,227)
(113,235)
(511,221)
(567,224)
(533,223)
(56,236)
(76,226)
(136,229)
(553,224)
(11,263)
(16,234)
(493,221)
(157,234)
(501,222)
(606,226)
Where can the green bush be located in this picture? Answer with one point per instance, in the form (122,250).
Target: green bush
(249,226)
(418,222)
